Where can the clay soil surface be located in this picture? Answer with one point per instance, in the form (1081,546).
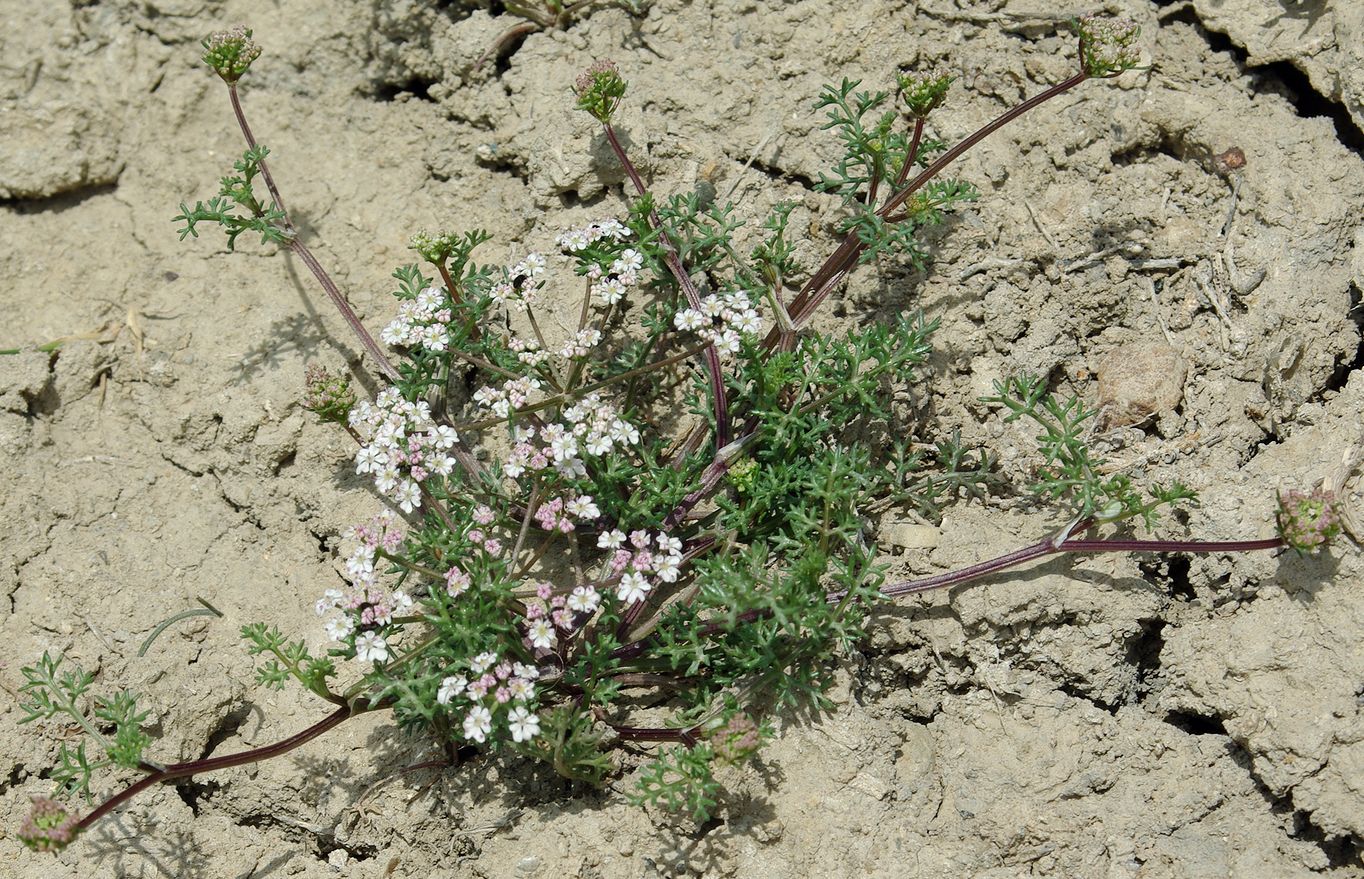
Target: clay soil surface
(1092,717)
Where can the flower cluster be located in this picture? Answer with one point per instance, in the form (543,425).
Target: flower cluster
(722,320)
(592,426)
(48,827)
(517,289)
(610,270)
(367,607)
(328,396)
(558,514)
(421,322)
(401,445)
(494,687)
(637,563)
(513,395)
(548,614)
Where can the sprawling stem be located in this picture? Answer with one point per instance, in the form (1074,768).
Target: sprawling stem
(1050,546)
(840,262)
(251,142)
(679,272)
(212,764)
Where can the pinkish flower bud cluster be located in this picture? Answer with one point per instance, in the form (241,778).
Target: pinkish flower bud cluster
(494,690)
(737,740)
(1308,521)
(48,827)
(722,320)
(642,563)
(423,322)
(401,445)
(514,394)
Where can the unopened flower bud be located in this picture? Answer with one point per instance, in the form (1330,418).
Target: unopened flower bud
(1107,45)
(433,247)
(599,89)
(330,396)
(737,740)
(48,827)
(924,92)
(1308,521)
(230,52)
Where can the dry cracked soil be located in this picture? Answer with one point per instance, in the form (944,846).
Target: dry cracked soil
(1115,716)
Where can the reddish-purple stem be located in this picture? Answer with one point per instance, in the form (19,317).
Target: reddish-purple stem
(679,272)
(827,277)
(212,764)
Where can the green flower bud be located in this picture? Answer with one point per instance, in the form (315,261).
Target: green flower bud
(599,89)
(434,248)
(924,92)
(327,395)
(741,476)
(48,827)
(230,52)
(1107,45)
(1308,521)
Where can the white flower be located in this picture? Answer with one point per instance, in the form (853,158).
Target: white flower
(409,496)
(624,433)
(598,444)
(630,260)
(386,479)
(668,544)
(609,292)
(689,319)
(666,568)
(401,601)
(369,647)
(520,689)
(749,323)
(369,459)
(478,724)
(330,599)
(529,672)
(541,634)
(524,725)
(573,468)
(433,338)
(563,447)
(450,688)
(482,662)
(610,539)
(633,588)
(582,508)
(583,599)
(339,628)
(445,436)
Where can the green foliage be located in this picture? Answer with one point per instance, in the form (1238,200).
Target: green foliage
(680,780)
(567,534)
(1071,474)
(113,723)
(876,155)
(237,191)
(291,659)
